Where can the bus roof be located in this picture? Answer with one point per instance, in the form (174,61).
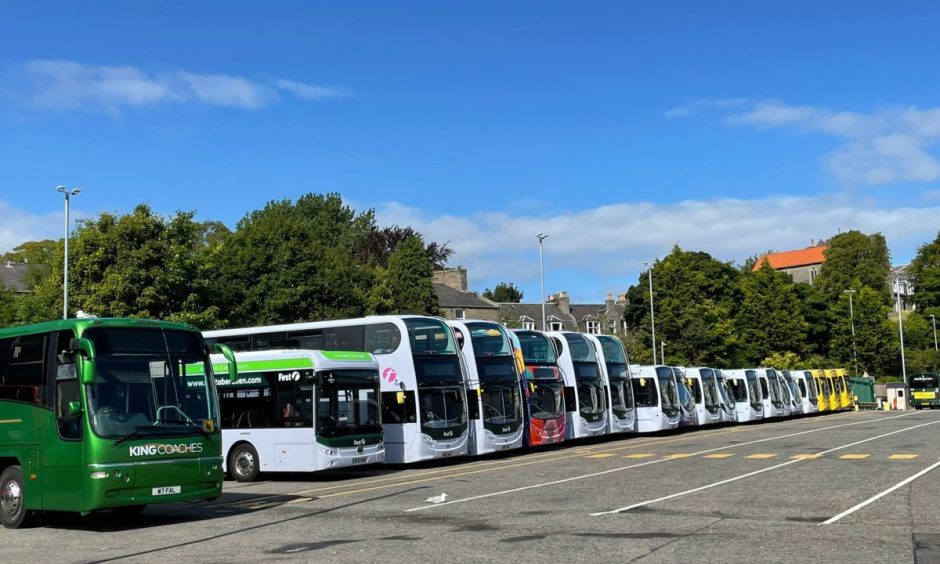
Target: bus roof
(80,324)
(372,319)
(295,359)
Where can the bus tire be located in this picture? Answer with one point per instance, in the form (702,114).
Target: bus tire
(243,463)
(13,513)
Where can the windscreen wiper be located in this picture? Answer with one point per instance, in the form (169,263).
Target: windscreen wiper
(132,434)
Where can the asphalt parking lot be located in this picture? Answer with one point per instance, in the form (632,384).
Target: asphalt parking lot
(793,490)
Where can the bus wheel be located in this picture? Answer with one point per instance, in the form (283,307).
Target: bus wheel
(13,513)
(243,463)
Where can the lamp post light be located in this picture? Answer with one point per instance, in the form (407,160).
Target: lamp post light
(649,276)
(897,289)
(69,192)
(852,317)
(933,321)
(542,237)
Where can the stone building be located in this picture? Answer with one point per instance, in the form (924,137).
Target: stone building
(13,276)
(456,301)
(802,264)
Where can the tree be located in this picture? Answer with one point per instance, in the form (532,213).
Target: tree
(769,318)
(694,297)
(504,293)
(381,242)
(925,274)
(295,261)
(875,336)
(851,257)
(782,361)
(33,252)
(135,265)
(409,279)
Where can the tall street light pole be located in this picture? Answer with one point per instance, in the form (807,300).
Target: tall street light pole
(649,276)
(933,320)
(897,289)
(69,192)
(662,351)
(542,237)
(852,317)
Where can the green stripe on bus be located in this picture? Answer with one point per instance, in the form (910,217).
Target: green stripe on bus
(255,366)
(347,355)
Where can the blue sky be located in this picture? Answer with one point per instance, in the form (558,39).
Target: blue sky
(619,128)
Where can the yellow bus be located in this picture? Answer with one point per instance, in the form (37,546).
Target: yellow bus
(825,390)
(845,397)
(834,389)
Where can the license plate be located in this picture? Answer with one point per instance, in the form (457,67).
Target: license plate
(167,490)
(924,395)
(360,459)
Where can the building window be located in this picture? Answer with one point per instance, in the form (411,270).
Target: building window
(554,326)
(528,325)
(593,327)
(459,314)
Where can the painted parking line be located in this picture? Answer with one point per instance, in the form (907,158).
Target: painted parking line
(804,456)
(640,455)
(650,462)
(719,455)
(762,456)
(601,455)
(853,456)
(756,472)
(679,455)
(880,495)
(903,456)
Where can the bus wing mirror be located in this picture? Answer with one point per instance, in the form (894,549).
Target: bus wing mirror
(85,348)
(74,409)
(225,351)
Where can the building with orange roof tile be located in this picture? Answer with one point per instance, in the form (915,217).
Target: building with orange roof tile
(802,264)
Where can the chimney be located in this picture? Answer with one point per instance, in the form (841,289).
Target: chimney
(564,303)
(622,299)
(609,302)
(455,278)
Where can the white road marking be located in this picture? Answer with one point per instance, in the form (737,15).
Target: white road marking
(632,466)
(875,498)
(756,472)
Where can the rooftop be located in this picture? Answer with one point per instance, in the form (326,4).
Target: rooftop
(793,259)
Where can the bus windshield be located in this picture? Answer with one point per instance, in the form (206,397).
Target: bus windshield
(536,348)
(685,395)
(667,383)
(442,408)
(754,388)
(546,400)
(738,389)
(347,403)
(922,380)
(488,340)
(581,349)
(151,381)
(644,392)
(430,336)
(621,390)
(613,350)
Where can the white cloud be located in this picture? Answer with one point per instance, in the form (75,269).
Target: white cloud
(601,249)
(306,91)
(887,145)
(18,226)
(67,85)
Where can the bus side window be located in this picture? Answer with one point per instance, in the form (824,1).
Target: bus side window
(570,403)
(22,368)
(66,389)
(398,407)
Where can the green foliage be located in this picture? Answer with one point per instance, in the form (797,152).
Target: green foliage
(135,265)
(33,252)
(925,274)
(875,336)
(380,243)
(922,360)
(782,361)
(295,261)
(504,293)
(409,279)
(769,318)
(854,257)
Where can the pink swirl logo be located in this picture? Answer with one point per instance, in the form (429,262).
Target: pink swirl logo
(389,375)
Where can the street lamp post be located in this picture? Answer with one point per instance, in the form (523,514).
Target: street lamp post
(542,237)
(897,289)
(69,192)
(652,312)
(662,351)
(933,321)
(852,317)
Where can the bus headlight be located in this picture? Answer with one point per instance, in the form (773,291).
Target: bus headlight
(99,474)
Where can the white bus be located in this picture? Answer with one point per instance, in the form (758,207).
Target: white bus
(746,391)
(704,386)
(494,394)
(424,397)
(771,394)
(687,415)
(807,386)
(612,358)
(299,411)
(795,397)
(585,392)
(728,412)
(656,395)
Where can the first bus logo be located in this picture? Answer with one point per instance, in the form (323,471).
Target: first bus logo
(155,449)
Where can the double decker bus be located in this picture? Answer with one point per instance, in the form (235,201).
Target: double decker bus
(585,391)
(612,358)
(102,414)
(494,396)
(299,411)
(924,390)
(544,389)
(421,373)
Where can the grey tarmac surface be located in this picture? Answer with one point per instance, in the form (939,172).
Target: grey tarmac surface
(757,492)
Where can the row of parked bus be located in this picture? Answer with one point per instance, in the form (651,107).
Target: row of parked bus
(117,414)
(412,388)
